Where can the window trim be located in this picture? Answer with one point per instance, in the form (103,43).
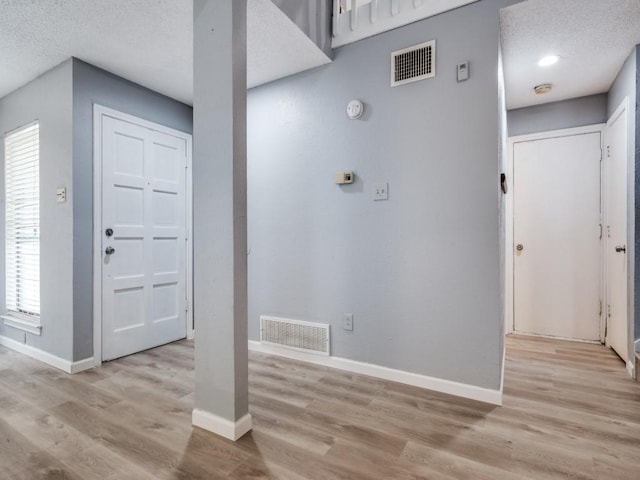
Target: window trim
(21,322)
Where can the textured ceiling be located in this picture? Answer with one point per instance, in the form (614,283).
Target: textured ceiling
(592,37)
(149,42)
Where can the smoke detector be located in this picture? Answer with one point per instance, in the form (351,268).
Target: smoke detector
(542,88)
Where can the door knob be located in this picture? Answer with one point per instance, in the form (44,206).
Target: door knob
(108,232)
(109,250)
(519,247)
(621,248)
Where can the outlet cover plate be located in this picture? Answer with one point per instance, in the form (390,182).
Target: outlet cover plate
(347,322)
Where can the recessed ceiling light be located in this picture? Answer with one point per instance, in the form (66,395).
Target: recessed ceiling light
(548,60)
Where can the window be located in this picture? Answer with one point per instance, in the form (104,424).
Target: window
(22,226)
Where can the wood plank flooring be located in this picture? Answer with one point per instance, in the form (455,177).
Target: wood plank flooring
(570,411)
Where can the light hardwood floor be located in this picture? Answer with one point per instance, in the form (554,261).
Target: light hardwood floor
(570,411)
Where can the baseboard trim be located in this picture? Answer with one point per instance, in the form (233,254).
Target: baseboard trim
(631,367)
(82,365)
(221,426)
(486,395)
(44,357)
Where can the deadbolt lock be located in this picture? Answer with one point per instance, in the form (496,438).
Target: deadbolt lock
(519,247)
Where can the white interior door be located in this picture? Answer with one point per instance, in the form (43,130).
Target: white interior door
(143,237)
(616,244)
(557,236)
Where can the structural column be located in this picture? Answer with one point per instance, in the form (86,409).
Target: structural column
(220,216)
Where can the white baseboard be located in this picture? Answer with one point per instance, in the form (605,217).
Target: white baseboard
(82,365)
(631,367)
(51,360)
(464,390)
(221,426)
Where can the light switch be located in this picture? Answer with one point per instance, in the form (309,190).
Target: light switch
(380,191)
(61,195)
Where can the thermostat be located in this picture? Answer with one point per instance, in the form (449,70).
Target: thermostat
(343,178)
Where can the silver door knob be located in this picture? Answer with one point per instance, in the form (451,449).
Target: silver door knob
(109,250)
(519,247)
(621,248)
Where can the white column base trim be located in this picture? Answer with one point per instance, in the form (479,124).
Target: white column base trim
(42,356)
(221,426)
(631,367)
(486,395)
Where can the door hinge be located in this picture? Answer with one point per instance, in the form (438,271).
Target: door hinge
(601,239)
(608,310)
(600,314)
(608,151)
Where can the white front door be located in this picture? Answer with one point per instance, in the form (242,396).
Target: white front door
(557,236)
(616,245)
(143,237)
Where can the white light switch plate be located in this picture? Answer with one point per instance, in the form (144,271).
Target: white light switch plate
(380,191)
(61,195)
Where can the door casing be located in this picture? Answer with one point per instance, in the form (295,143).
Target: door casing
(624,109)
(98,112)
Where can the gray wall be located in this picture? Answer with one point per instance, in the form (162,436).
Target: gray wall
(625,86)
(47,99)
(313,17)
(576,112)
(421,271)
(93,85)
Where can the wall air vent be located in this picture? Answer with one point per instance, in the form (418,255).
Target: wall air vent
(295,334)
(413,63)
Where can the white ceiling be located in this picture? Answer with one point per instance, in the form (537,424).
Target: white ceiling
(149,42)
(592,37)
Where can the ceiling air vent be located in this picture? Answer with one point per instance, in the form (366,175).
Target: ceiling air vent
(413,63)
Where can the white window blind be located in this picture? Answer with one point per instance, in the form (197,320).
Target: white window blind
(22,228)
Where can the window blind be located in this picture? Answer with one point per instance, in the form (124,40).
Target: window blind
(22,228)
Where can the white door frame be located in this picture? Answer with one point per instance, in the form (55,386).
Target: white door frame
(98,112)
(509,220)
(623,108)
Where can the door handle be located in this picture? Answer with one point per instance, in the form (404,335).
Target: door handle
(109,250)
(519,247)
(621,248)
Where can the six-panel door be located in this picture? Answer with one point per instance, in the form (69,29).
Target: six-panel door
(143,238)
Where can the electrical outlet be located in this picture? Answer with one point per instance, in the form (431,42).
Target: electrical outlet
(347,321)
(380,191)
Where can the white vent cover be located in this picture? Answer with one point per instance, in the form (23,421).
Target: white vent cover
(413,63)
(295,334)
